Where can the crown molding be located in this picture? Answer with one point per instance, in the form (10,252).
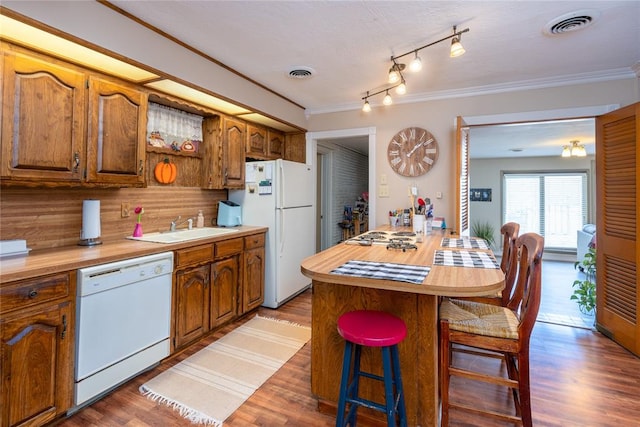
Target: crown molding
(568,80)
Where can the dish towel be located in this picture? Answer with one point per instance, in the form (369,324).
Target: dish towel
(384,270)
(464,243)
(465,259)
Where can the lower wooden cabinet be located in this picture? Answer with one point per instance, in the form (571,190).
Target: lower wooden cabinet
(224,291)
(36,350)
(215,284)
(253,273)
(192,308)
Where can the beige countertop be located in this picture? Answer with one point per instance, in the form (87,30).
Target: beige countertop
(55,260)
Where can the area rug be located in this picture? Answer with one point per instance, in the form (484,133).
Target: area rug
(210,385)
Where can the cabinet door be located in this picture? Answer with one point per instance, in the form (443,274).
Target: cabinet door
(116,134)
(253,280)
(295,147)
(276,145)
(43,124)
(256,145)
(224,290)
(233,142)
(36,365)
(192,304)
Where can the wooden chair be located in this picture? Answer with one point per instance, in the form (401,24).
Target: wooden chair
(508,265)
(495,331)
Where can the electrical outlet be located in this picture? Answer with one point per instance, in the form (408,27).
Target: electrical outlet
(125,210)
(383,191)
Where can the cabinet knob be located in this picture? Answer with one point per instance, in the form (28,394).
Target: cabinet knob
(76,161)
(32,294)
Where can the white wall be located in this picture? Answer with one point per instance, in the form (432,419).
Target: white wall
(438,116)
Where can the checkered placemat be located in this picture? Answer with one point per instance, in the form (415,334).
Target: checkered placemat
(384,270)
(465,259)
(464,243)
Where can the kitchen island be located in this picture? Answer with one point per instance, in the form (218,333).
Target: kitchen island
(416,304)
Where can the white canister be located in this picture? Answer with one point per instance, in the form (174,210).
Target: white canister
(418,223)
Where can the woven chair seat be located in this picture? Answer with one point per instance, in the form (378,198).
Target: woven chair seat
(480,319)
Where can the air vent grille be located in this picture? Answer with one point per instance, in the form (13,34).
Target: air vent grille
(571,22)
(301,73)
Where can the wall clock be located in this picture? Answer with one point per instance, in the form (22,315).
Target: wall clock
(412,151)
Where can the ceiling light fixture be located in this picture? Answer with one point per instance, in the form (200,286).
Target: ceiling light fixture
(395,76)
(387,99)
(574,150)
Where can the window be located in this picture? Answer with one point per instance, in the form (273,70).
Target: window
(552,204)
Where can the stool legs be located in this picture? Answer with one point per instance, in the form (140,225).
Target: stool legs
(394,393)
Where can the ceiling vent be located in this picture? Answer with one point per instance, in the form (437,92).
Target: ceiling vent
(571,22)
(301,72)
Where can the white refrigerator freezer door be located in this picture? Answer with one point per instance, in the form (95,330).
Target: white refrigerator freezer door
(293,244)
(295,185)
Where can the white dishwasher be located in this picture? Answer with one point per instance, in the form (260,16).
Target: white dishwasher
(123,315)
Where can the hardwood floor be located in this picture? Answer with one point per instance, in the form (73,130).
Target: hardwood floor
(579,378)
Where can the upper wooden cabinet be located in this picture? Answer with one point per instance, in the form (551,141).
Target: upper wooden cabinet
(224,147)
(43,121)
(116,136)
(256,145)
(275,148)
(51,135)
(296,147)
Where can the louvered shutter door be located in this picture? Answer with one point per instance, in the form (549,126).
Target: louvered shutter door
(462,211)
(617,246)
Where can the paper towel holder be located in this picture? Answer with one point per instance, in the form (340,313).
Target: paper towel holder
(89,242)
(90,223)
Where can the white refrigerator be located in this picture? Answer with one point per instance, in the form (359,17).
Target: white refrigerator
(279,194)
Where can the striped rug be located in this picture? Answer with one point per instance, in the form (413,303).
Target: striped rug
(210,385)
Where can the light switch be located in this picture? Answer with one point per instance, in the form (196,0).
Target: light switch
(438,194)
(383,178)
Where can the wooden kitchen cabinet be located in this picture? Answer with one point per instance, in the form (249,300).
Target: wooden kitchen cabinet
(275,149)
(192,304)
(295,147)
(253,272)
(36,349)
(62,125)
(116,134)
(224,146)
(224,290)
(256,142)
(43,120)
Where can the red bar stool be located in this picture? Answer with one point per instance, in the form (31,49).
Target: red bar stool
(371,329)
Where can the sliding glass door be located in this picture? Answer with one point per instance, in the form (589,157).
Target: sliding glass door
(552,204)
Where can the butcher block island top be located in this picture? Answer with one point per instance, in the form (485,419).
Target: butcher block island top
(416,303)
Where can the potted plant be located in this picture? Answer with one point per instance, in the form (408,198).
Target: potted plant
(585,290)
(485,231)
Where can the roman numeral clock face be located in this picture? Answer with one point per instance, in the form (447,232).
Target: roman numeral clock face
(412,152)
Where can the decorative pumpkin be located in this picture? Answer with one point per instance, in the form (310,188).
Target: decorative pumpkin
(165,172)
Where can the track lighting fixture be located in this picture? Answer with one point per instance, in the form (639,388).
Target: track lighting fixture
(395,76)
(416,64)
(387,99)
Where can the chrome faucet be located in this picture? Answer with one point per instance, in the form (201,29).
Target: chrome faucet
(174,224)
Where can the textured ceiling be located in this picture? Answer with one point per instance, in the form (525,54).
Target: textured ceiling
(348,43)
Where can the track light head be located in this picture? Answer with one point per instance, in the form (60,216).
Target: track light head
(387,99)
(366,107)
(416,64)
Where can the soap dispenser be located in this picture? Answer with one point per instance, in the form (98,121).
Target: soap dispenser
(200,220)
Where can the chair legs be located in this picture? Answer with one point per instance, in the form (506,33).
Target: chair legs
(394,405)
(517,366)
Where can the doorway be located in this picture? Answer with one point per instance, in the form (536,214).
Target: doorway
(324,181)
(521,154)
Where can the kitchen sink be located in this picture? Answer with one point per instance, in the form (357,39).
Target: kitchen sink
(184,235)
